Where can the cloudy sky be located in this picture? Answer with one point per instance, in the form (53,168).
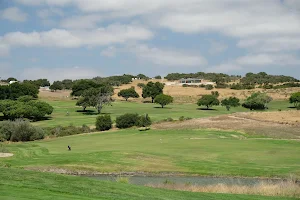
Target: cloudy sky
(59,39)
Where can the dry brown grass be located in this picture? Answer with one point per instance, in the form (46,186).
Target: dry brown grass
(238,122)
(287,189)
(291,117)
(191,95)
(58,95)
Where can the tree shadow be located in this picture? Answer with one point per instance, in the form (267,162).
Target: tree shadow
(85,111)
(159,107)
(291,107)
(147,101)
(209,109)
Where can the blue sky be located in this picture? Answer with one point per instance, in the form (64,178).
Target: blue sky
(58,39)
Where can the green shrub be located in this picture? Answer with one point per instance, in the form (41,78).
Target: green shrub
(60,131)
(182,118)
(20,130)
(130,119)
(103,123)
(144,121)
(127,120)
(209,87)
(85,129)
(298,107)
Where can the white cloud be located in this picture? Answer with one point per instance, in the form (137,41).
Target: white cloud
(14,14)
(167,57)
(112,34)
(59,73)
(81,22)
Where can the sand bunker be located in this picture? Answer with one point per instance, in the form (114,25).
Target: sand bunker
(5,155)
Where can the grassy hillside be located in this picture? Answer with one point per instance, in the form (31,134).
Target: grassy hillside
(21,185)
(77,118)
(200,152)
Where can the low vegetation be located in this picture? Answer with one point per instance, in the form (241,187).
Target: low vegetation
(130,119)
(20,130)
(103,123)
(284,188)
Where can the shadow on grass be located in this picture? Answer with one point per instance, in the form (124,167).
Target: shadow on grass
(292,107)
(147,101)
(209,109)
(159,107)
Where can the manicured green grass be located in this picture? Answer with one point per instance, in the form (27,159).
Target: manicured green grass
(22,185)
(60,117)
(201,152)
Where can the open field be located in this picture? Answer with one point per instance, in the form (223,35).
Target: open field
(181,94)
(198,152)
(190,95)
(245,123)
(22,185)
(77,118)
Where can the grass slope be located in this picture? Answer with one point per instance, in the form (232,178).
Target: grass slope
(60,117)
(21,185)
(203,152)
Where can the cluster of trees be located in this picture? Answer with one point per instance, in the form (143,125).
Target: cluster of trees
(65,84)
(264,78)
(16,90)
(132,119)
(257,101)
(38,83)
(25,107)
(215,77)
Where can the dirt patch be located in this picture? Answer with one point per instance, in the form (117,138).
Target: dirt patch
(238,122)
(291,117)
(6,155)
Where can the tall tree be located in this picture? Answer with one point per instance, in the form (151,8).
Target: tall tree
(295,98)
(152,90)
(128,93)
(208,101)
(230,102)
(96,97)
(163,100)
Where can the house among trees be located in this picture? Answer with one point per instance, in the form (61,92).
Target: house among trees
(194,81)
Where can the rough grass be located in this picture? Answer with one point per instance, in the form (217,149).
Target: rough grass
(287,189)
(243,122)
(22,185)
(197,152)
(175,111)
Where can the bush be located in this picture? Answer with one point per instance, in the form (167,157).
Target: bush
(103,123)
(129,120)
(182,118)
(144,121)
(20,130)
(60,131)
(298,107)
(209,87)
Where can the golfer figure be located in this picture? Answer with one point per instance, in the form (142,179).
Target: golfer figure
(69,148)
